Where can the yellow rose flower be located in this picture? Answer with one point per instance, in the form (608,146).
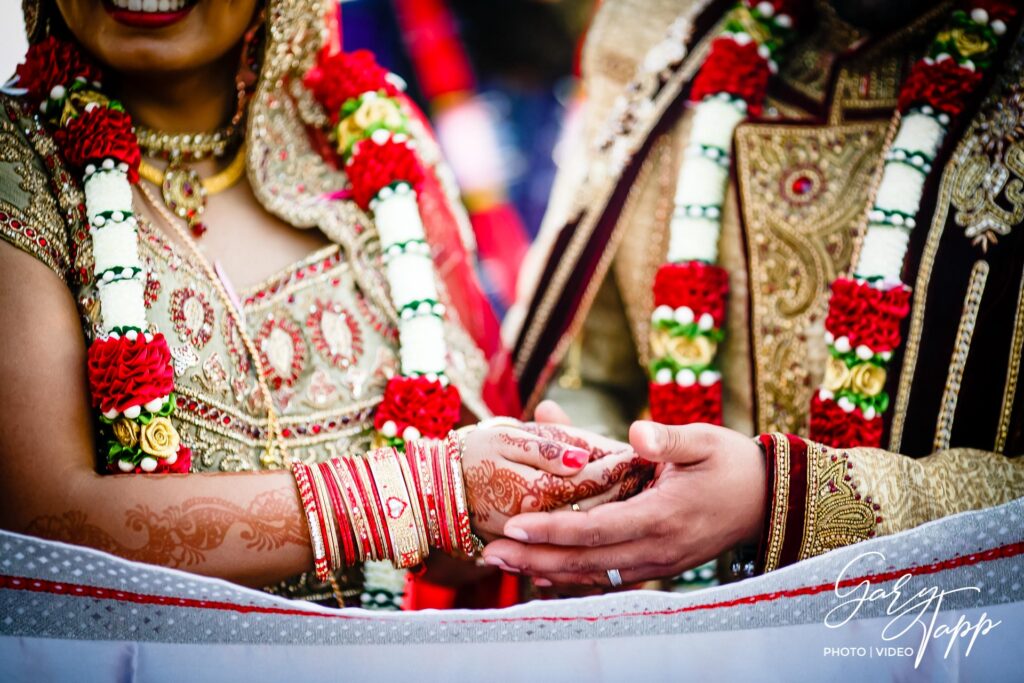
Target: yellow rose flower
(159,438)
(968,43)
(377,110)
(867,379)
(687,351)
(837,375)
(126,432)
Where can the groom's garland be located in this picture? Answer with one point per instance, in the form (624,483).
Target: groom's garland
(131,379)
(865,311)
(690,290)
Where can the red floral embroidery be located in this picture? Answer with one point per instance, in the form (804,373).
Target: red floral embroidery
(672,404)
(374,166)
(944,85)
(124,373)
(99,134)
(735,69)
(700,286)
(345,75)
(50,63)
(867,315)
(832,426)
(430,407)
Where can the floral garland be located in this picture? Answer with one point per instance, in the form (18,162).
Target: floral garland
(690,289)
(131,380)
(867,309)
(370,132)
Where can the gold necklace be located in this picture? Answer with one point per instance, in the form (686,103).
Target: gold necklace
(185,191)
(275,456)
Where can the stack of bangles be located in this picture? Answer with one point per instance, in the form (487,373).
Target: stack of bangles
(387,505)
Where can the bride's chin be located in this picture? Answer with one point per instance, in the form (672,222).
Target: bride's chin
(157,36)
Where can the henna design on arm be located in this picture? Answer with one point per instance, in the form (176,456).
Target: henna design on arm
(181,535)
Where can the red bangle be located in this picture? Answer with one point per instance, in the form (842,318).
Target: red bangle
(442,508)
(377,545)
(301,474)
(356,513)
(341,519)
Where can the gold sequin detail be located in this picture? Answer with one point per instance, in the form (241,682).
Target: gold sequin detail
(797,247)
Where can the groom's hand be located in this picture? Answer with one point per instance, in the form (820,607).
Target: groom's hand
(708,496)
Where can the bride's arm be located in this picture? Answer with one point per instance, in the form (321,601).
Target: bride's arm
(243,527)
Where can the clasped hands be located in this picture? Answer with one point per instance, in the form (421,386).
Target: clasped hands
(669,500)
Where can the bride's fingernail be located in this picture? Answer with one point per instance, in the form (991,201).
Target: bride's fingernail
(575,457)
(495,561)
(542,583)
(516,533)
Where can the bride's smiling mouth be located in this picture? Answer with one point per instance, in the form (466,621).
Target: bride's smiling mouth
(149,13)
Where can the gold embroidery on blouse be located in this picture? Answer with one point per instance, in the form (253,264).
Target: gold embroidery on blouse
(802,192)
(1013,372)
(836,515)
(29,215)
(961,349)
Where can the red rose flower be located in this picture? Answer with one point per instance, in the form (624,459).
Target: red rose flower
(374,166)
(99,134)
(53,62)
(735,69)
(832,426)
(945,86)
(700,286)
(672,404)
(125,373)
(867,315)
(342,76)
(430,407)
(996,9)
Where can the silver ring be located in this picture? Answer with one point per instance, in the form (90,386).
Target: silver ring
(614,577)
(576,507)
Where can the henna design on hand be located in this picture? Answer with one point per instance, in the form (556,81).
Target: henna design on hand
(549,450)
(181,535)
(506,492)
(557,433)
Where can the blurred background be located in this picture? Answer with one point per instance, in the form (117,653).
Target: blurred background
(499,80)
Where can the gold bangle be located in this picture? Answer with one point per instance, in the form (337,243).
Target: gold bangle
(397,505)
(330,522)
(414,499)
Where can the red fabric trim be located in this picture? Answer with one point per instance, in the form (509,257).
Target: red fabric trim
(78,590)
(796,509)
(767,444)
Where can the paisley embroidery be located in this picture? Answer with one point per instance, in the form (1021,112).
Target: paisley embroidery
(282,350)
(335,334)
(192,316)
(988,190)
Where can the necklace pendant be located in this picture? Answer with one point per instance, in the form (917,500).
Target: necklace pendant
(184,194)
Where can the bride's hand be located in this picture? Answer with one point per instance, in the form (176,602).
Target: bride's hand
(509,470)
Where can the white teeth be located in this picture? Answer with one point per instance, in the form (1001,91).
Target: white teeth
(150,5)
